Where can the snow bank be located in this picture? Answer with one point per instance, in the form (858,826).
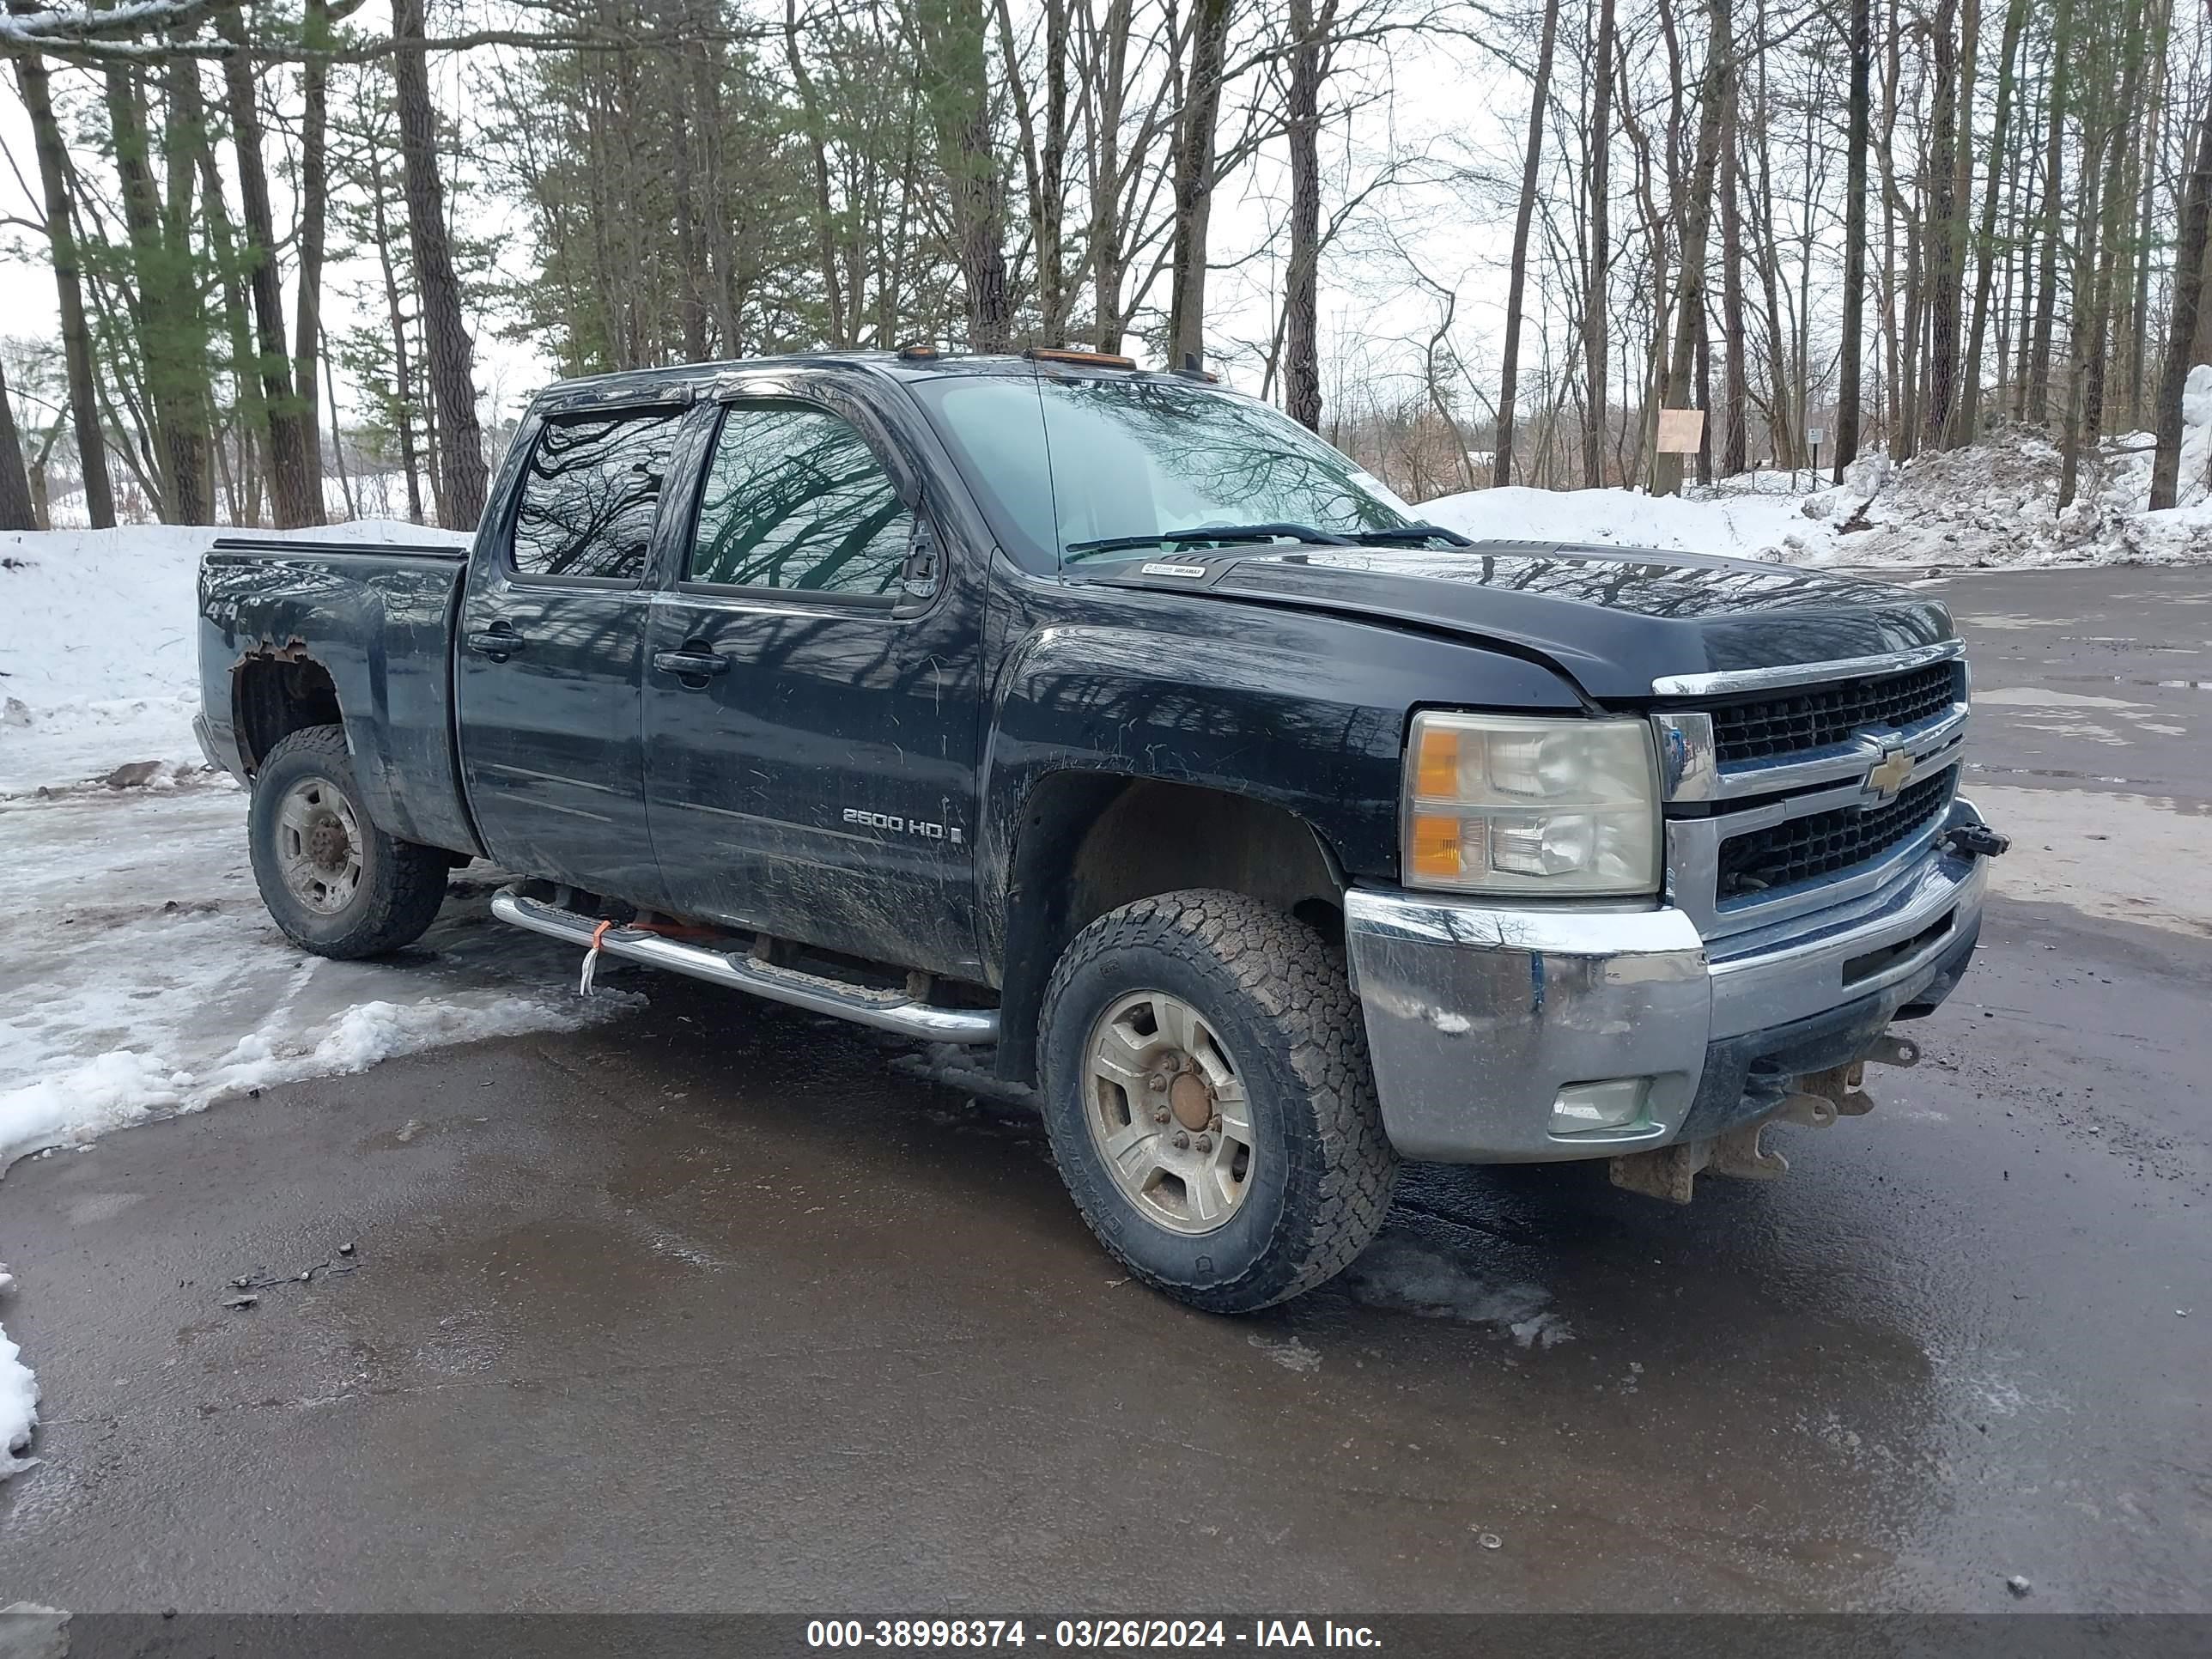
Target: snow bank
(1992,504)
(1750,525)
(99,643)
(19,1403)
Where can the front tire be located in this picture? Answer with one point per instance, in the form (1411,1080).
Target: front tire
(334,882)
(1209,1101)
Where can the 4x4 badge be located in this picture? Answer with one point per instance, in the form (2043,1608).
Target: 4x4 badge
(1890,772)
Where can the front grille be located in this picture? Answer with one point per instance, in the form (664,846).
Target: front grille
(1816,716)
(1820,843)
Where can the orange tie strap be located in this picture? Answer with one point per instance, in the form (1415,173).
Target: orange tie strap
(591,959)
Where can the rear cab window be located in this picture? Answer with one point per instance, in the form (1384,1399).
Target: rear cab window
(590,494)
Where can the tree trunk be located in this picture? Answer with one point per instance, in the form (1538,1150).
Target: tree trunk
(452,365)
(1595,412)
(2181,327)
(403,394)
(183,144)
(1052,212)
(817,146)
(1943,209)
(171,343)
(1508,371)
(1193,179)
(1704,362)
(2054,160)
(315,218)
(69,286)
(1850,372)
(1695,218)
(1963,421)
(956,46)
(17,510)
(1300,316)
(2115,198)
(1107,93)
(2154,137)
(291,496)
(1735,442)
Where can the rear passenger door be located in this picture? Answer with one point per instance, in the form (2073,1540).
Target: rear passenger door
(550,658)
(811,701)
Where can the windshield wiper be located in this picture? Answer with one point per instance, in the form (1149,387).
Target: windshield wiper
(1411,532)
(1216,532)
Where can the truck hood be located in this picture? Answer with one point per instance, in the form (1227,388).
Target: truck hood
(1614,619)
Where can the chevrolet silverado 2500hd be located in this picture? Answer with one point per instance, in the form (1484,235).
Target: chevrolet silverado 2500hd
(1111,725)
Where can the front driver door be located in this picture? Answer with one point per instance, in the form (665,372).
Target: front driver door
(552,654)
(810,711)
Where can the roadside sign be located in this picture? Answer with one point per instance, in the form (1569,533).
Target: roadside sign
(1816,435)
(1681,431)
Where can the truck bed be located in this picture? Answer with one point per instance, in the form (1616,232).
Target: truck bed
(281,619)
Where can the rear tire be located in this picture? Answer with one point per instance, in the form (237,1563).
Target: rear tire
(334,882)
(1207,1018)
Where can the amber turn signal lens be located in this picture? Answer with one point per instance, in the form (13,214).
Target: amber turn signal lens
(1436,775)
(1436,846)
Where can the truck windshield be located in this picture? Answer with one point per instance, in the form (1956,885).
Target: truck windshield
(1089,470)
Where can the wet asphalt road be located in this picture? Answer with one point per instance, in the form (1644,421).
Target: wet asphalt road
(706,1309)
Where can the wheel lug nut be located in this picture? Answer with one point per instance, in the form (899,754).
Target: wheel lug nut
(1206,1143)
(1214,1123)
(1160,1115)
(1181,1141)
(1157,1085)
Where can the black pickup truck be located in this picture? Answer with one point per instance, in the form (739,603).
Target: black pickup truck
(1110,725)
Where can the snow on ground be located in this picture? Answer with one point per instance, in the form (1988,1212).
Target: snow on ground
(99,644)
(1750,525)
(19,1401)
(1992,504)
(143,976)
(151,980)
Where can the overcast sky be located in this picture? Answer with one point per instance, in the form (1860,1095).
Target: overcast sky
(1435,108)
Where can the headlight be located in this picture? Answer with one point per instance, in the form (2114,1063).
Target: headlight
(1501,803)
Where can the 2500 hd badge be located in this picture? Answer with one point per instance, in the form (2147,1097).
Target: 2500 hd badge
(892,822)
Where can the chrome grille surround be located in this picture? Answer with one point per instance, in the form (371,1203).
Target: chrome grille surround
(1744,797)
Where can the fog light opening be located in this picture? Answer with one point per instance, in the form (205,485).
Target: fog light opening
(1613,1104)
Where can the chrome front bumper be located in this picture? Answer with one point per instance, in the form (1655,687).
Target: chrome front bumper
(1477,1018)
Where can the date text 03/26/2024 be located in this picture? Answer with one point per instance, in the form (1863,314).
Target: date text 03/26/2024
(1087,1633)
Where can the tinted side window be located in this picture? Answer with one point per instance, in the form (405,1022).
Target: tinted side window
(794,499)
(589,496)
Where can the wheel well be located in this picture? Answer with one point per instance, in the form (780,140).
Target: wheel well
(1090,844)
(275,695)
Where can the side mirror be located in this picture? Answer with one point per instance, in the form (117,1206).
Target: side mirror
(918,576)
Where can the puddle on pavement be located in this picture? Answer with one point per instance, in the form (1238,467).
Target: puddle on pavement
(2123,857)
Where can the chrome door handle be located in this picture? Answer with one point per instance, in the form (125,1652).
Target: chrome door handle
(690,665)
(497,643)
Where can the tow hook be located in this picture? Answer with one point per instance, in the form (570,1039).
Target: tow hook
(1976,840)
(1816,1102)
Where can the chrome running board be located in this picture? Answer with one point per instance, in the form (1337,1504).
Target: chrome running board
(886,1010)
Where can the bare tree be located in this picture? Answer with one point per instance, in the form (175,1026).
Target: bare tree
(1194,177)
(68,284)
(1595,395)
(451,354)
(1697,218)
(1850,395)
(1517,283)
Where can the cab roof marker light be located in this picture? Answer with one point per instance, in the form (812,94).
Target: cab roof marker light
(1095,359)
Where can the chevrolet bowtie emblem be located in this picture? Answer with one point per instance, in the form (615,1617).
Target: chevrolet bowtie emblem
(1890,772)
